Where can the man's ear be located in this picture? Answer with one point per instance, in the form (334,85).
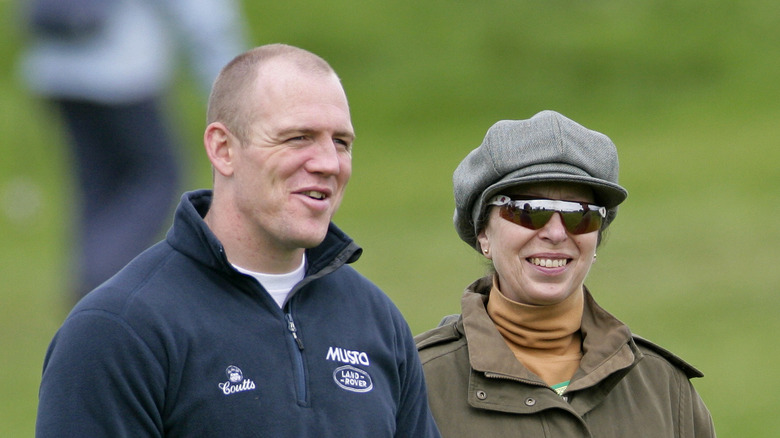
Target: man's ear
(220,143)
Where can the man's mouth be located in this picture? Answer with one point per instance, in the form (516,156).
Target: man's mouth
(548,263)
(314,194)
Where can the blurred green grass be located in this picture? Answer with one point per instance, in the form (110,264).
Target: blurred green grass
(687,90)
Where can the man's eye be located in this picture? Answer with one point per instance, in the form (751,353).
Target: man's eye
(345,144)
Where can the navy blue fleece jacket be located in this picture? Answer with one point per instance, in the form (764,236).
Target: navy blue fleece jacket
(179,344)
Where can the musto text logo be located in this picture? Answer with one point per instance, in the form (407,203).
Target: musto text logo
(347,356)
(353,379)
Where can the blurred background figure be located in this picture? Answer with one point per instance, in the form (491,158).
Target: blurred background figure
(106,66)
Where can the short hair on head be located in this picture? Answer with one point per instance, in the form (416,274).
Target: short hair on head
(235,80)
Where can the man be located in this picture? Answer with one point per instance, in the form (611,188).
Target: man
(246,321)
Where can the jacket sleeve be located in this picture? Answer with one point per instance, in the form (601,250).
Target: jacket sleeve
(703,426)
(695,418)
(100,380)
(414,417)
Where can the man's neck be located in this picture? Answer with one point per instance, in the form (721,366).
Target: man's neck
(250,253)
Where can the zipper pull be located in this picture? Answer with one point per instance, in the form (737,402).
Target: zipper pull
(293,330)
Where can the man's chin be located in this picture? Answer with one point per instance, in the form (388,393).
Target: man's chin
(312,240)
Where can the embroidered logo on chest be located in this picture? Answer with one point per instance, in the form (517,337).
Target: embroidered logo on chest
(347,356)
(235,381)
(349,377)
(353,379)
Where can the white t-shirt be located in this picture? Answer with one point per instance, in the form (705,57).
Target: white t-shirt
(278,285)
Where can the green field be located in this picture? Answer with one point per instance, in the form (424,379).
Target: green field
(688,91)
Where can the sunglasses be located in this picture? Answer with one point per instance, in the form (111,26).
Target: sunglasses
(578,217)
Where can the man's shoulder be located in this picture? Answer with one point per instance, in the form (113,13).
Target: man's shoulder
(139,279)
(354,284)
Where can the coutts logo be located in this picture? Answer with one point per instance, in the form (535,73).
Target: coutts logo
(236,382)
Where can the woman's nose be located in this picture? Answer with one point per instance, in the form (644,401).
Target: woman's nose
(554,229)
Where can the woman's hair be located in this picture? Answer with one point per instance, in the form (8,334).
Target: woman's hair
(229,99)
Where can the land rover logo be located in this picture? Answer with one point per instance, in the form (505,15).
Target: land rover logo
(353,379)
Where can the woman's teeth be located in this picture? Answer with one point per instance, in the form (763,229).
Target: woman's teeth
(549,263)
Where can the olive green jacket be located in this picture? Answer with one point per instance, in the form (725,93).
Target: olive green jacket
(625,386)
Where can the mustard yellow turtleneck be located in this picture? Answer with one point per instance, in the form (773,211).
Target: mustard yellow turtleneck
(545,339)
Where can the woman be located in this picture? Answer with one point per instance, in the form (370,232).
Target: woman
(532,354)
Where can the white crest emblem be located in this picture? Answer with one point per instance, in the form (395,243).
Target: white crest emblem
(234,374)
(236,382)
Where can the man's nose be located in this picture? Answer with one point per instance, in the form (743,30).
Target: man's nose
(324,158)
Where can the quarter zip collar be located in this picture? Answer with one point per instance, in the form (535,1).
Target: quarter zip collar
(191,236)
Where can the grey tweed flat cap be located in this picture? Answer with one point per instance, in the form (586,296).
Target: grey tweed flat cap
(546,147)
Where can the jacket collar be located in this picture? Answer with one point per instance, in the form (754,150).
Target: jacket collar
(607,347)
(191,236)
(607,344)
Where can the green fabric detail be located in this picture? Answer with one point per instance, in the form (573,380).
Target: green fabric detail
(561,387)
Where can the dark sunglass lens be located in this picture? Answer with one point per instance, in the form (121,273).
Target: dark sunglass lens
(579,223)
(515,215)
(539,218)
(575,222)
(531,219)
